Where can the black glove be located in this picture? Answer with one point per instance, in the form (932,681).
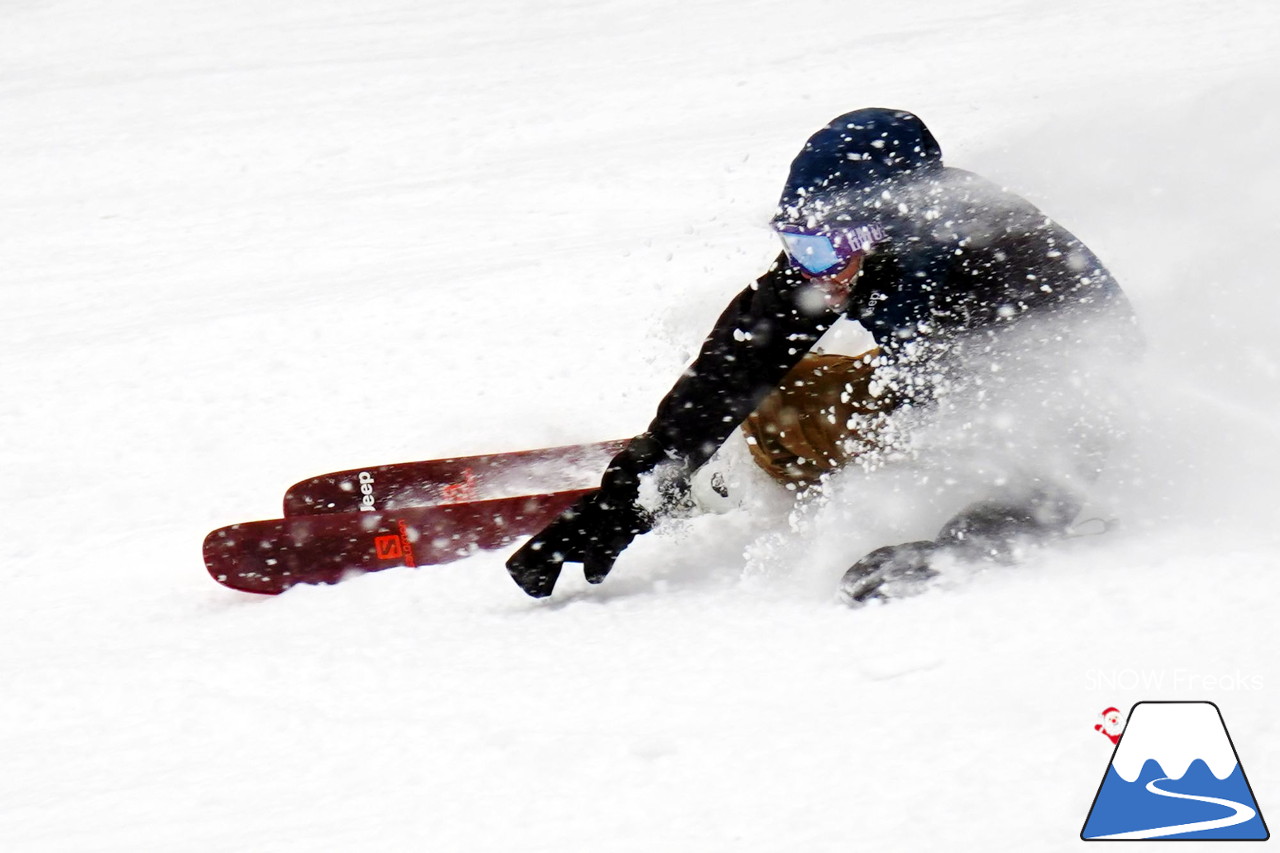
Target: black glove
(595,530)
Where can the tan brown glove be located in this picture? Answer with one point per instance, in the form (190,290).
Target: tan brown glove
(820,417)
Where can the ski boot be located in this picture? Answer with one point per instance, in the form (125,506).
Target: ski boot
(985,532)
(894,571)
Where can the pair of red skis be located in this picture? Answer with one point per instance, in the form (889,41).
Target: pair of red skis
(410,514)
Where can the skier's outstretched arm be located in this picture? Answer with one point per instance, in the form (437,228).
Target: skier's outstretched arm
(760,336)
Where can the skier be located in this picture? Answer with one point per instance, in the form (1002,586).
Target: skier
(957,281)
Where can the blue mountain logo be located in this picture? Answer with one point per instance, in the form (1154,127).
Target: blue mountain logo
(1175,774)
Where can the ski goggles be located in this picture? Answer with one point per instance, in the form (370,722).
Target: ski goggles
(820,250)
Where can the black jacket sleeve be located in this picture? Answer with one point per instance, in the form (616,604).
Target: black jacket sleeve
(760,336)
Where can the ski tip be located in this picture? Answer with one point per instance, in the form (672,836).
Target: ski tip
(224,553)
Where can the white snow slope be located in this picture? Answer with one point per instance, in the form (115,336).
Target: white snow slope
(245,242)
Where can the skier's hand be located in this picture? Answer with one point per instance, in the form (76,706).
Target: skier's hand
(594,531)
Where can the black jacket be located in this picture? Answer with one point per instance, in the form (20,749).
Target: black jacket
(963,257)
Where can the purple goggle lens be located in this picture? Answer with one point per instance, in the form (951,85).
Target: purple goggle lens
(820,250)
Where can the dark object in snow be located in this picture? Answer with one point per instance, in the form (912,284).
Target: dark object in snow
(894,571)
(989,532)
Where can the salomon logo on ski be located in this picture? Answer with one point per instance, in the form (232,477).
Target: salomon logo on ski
(388,547)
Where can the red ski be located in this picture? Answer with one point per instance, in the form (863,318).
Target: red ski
(462,480)
(271,556)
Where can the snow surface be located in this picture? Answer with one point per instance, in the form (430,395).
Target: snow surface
(245,242)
